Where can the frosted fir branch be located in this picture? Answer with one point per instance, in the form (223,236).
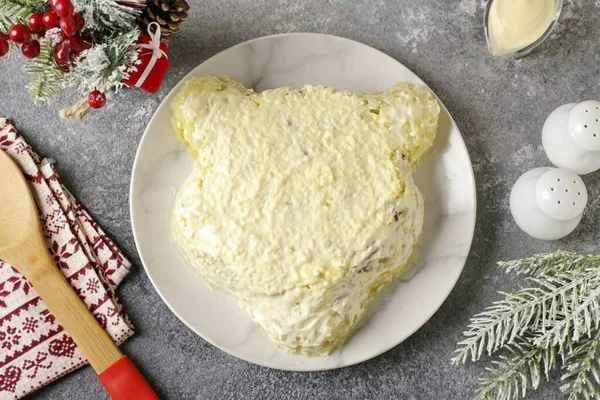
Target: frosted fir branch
(12,13)
(560,302)
(504,321)
(16,11)
(107,18)
(495,326)
(574,312)
(550,263)
(49,80)
(103,66)
(582,370)
(579,312)
(38,6)
(565,294)
(512,374)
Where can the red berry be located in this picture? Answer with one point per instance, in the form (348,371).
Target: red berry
(97,99)
(4,46)
(66,43)
(78,43)
(31,49)
(63,8)
(61,56)
(4,37)
(50,19)
(79,21)
(67,24)
(19,33)
(35,22)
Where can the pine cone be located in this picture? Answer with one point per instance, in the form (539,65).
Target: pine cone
(168,13)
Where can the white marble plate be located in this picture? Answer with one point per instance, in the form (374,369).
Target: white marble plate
(445,178)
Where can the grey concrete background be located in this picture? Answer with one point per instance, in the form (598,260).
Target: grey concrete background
(500,107)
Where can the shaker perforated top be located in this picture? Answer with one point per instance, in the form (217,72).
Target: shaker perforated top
(584,125)
(561,194)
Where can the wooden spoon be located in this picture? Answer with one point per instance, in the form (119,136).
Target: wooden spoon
(23,246)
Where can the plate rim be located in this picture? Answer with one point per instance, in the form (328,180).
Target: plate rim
(236,353)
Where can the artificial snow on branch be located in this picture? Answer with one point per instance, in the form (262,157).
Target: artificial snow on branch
(107,18)
(511,375)
(582,370)
(90,46)
(104,65)
(556,315)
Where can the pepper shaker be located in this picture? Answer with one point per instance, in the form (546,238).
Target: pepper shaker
(548,203)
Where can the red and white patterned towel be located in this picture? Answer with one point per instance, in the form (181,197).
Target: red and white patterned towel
(34,348)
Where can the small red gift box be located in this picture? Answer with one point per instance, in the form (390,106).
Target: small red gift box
(152,64)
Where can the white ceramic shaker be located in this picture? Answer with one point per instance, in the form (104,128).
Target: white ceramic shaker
(571,137)
(548,203)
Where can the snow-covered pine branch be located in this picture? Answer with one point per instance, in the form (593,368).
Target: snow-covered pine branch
(108,18)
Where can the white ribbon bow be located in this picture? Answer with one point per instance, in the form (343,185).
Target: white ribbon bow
(157,52)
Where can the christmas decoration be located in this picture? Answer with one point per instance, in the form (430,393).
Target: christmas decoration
(79,21)
(554,321)
(19,33)
(4,47)
(50,19)
(31,48)
(68,25)
(169,14)
(97,99)
(35,22)
(89,46)
(153,61)
(63,8)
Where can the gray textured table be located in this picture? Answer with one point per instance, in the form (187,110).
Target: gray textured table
(499,106)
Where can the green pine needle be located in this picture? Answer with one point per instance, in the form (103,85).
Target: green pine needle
(505,320)
(48,78)
(10,14)
(558,314)
(16,11)
(103,66)
(112,28)
(108,18)
(512,374)
(551,263)
(38,6)
(582,370)
(580,314)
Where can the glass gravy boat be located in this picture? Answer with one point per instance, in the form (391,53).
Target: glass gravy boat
(520,52)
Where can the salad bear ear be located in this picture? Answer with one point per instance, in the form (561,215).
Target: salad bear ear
(422,122)
(417,131)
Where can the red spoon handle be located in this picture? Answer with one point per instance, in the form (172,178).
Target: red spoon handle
(123,381)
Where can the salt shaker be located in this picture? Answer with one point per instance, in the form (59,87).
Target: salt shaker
(571,137)
(548,203)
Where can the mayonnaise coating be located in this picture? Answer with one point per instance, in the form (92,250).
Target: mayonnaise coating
(301,203)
